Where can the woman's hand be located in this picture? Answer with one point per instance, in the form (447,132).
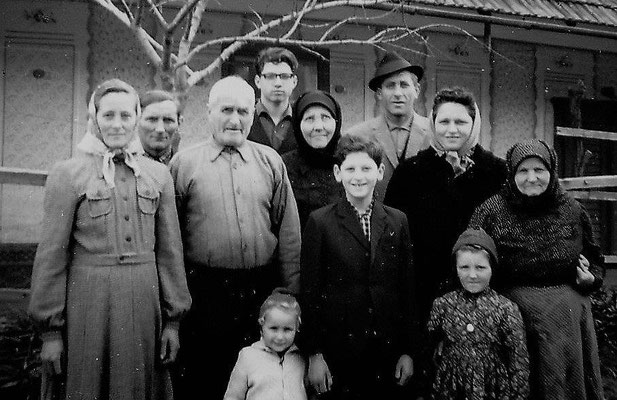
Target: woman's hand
(404,370)
(583,276)
(170,344)
(319,374)
(51,356)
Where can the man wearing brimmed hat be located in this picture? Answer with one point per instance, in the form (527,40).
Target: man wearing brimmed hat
(401,131)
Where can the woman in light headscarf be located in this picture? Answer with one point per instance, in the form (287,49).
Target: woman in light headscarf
(108,284)
(439,188)
(549,265)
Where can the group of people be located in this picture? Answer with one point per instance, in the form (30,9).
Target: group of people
(284,259)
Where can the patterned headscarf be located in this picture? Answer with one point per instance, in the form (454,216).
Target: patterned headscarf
(92,142)
(460,159)
(318,157)
(514,157)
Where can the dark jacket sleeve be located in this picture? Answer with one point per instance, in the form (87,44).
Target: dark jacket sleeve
(413,340)
(395,192)
(310,284)
(286,226)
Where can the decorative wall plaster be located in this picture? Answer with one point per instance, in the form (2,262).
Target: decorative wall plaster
(115,53)
(347,75)
(513,94)
(38,112)
(43,48)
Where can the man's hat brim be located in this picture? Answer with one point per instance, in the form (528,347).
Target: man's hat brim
(387,69)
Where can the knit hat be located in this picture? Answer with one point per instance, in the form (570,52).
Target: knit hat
(477,237)
(390,64)
(530,148)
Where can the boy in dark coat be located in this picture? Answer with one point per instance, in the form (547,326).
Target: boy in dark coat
(356,284)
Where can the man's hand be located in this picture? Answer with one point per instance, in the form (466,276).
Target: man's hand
(319,374)
(170,344)
(51,356)
(404,370)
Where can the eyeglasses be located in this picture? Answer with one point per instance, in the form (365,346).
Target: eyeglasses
(270,76)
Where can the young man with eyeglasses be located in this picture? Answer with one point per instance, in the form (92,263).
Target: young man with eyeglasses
(276,80)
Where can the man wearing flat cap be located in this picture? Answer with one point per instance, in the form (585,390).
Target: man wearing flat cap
(399,129)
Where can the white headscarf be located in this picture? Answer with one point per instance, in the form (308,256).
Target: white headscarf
(92,143)
(460,159)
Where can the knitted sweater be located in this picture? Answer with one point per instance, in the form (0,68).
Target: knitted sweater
(539,248)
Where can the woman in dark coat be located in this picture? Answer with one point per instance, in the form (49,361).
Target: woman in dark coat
(439,188)
(317,128)
(549,264)
(108,284)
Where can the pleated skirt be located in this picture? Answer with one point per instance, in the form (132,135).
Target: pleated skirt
(113,333)
(562,345)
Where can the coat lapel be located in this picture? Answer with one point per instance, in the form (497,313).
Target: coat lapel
(378,225)
(349,221)
(382,133)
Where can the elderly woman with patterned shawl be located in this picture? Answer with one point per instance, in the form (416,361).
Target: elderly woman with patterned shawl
(108,285)
(549,264)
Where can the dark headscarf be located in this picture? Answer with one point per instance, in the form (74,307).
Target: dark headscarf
(514,157)
(318,157)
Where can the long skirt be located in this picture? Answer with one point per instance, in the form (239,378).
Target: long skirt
(113,333)
(561,340)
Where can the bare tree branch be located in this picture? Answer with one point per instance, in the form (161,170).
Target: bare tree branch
(158,15)
(128,10)
(182,13)
(287,18)
(193,26)
(306,7)
(261,20)
(139,13)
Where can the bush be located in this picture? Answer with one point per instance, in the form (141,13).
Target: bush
(604,307)
(19,359)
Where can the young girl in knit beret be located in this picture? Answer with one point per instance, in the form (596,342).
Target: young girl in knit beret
(478,334)
(271,368)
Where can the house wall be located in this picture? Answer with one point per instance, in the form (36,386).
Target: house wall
(514,84)
(513,94)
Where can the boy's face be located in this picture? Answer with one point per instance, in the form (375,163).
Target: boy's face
(474,270)
(276,82)
(279,329)
(359,174)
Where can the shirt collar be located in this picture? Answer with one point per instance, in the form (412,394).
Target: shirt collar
(216,150)
(366,213)
(262,346)
(392,126)
(260,109)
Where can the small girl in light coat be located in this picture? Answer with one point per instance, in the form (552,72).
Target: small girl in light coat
(271,368)
(479,334)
